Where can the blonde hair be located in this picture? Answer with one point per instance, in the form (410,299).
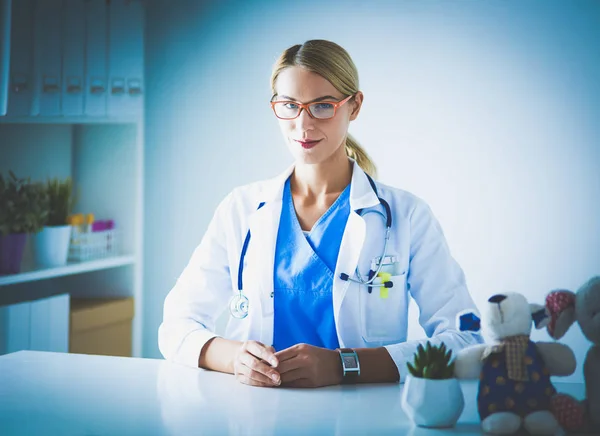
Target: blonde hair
(332,62)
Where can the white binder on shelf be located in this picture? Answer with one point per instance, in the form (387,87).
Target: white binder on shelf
(47,58)
(20,92)
(126,57)
(96,58)
(73,57)
(5,14)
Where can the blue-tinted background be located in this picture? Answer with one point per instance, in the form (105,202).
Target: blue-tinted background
(488,110)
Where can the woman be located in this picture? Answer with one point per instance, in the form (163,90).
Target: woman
(314,236)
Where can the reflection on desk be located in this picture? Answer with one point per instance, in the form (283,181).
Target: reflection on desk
(71,394)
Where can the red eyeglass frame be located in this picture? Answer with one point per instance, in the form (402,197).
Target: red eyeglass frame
(336,105)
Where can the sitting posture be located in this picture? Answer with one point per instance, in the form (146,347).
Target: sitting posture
(514,373)
(583,307)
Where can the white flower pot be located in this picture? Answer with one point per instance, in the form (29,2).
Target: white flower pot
(432,403)
(51,246)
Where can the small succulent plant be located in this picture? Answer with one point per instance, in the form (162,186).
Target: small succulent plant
(432,362)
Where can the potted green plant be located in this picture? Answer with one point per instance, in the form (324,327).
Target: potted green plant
(432,396)
(23,210)
(51,244)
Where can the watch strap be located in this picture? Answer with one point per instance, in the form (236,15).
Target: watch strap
(349,375)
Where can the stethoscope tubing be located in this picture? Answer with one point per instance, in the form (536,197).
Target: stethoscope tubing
(238,304)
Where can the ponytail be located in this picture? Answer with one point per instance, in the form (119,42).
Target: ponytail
(356,152)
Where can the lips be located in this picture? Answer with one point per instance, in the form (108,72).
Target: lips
(307,143)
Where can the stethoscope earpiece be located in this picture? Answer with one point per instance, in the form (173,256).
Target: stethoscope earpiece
(238,306)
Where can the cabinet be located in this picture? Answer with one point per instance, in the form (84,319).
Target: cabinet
(40,325)
(73,87)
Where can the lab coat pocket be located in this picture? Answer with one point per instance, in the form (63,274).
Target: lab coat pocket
(383,311)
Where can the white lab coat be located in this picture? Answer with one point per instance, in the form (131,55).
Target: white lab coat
(427,272)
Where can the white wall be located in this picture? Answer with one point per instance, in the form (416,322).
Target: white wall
(487,110)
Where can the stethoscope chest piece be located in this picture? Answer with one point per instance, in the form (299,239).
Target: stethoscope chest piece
(238,306)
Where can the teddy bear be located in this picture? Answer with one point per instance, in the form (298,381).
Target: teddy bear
(566,308)
(514,372)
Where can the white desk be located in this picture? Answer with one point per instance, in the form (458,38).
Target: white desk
(69,394)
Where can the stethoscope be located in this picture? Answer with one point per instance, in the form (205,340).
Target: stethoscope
(238,304)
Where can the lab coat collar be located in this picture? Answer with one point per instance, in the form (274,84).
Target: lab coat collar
(362,195)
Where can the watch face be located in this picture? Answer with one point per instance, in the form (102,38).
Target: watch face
(350,362)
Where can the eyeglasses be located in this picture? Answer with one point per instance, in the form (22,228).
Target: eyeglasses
(322,110)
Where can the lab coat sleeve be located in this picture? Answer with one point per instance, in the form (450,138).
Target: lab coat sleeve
(199,296)
(437,284)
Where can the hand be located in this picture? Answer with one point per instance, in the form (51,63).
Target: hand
(254,364)
(306,366)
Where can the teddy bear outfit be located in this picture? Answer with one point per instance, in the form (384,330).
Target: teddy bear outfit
(514,379)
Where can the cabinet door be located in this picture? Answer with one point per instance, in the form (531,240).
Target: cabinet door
(41,325)
(47,58)
(21,65)
(49,325)
(96,54)
(5,14)
(73,43)
(15,327)
(126,52)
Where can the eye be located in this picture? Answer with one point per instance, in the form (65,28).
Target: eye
(290,105)
(323,106)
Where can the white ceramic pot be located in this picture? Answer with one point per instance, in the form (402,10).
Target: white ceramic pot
(51,246)
(432,403)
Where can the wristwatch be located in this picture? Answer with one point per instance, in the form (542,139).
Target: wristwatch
(350,365)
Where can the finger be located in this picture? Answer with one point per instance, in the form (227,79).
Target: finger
(254,378)
(245,375)
(291,364)
(264,373)
(293,376)
(262,352)
(242,378)
(288,353)
(272,350)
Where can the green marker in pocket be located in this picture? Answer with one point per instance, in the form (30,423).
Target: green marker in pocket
(385,277)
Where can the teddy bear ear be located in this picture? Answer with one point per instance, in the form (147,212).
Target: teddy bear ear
(540,315)
(561,305)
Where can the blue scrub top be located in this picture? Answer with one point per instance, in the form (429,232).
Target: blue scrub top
(303,275)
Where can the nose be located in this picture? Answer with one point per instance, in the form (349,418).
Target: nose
(304,120)
(497,298)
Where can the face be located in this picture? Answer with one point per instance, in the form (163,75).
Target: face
(311,140)
(507,314)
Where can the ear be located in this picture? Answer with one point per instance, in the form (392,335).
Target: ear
(540,315)
(357,102)
(561,305)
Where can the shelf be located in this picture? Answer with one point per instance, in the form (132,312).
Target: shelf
(68,120)
(66,270)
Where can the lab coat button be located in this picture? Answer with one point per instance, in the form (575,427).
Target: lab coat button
(272,294)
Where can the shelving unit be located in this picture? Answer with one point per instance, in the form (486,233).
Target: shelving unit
(67,270)
(95,137)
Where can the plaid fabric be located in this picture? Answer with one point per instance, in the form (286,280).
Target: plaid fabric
(514,348)
(558,302)
(569,412)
